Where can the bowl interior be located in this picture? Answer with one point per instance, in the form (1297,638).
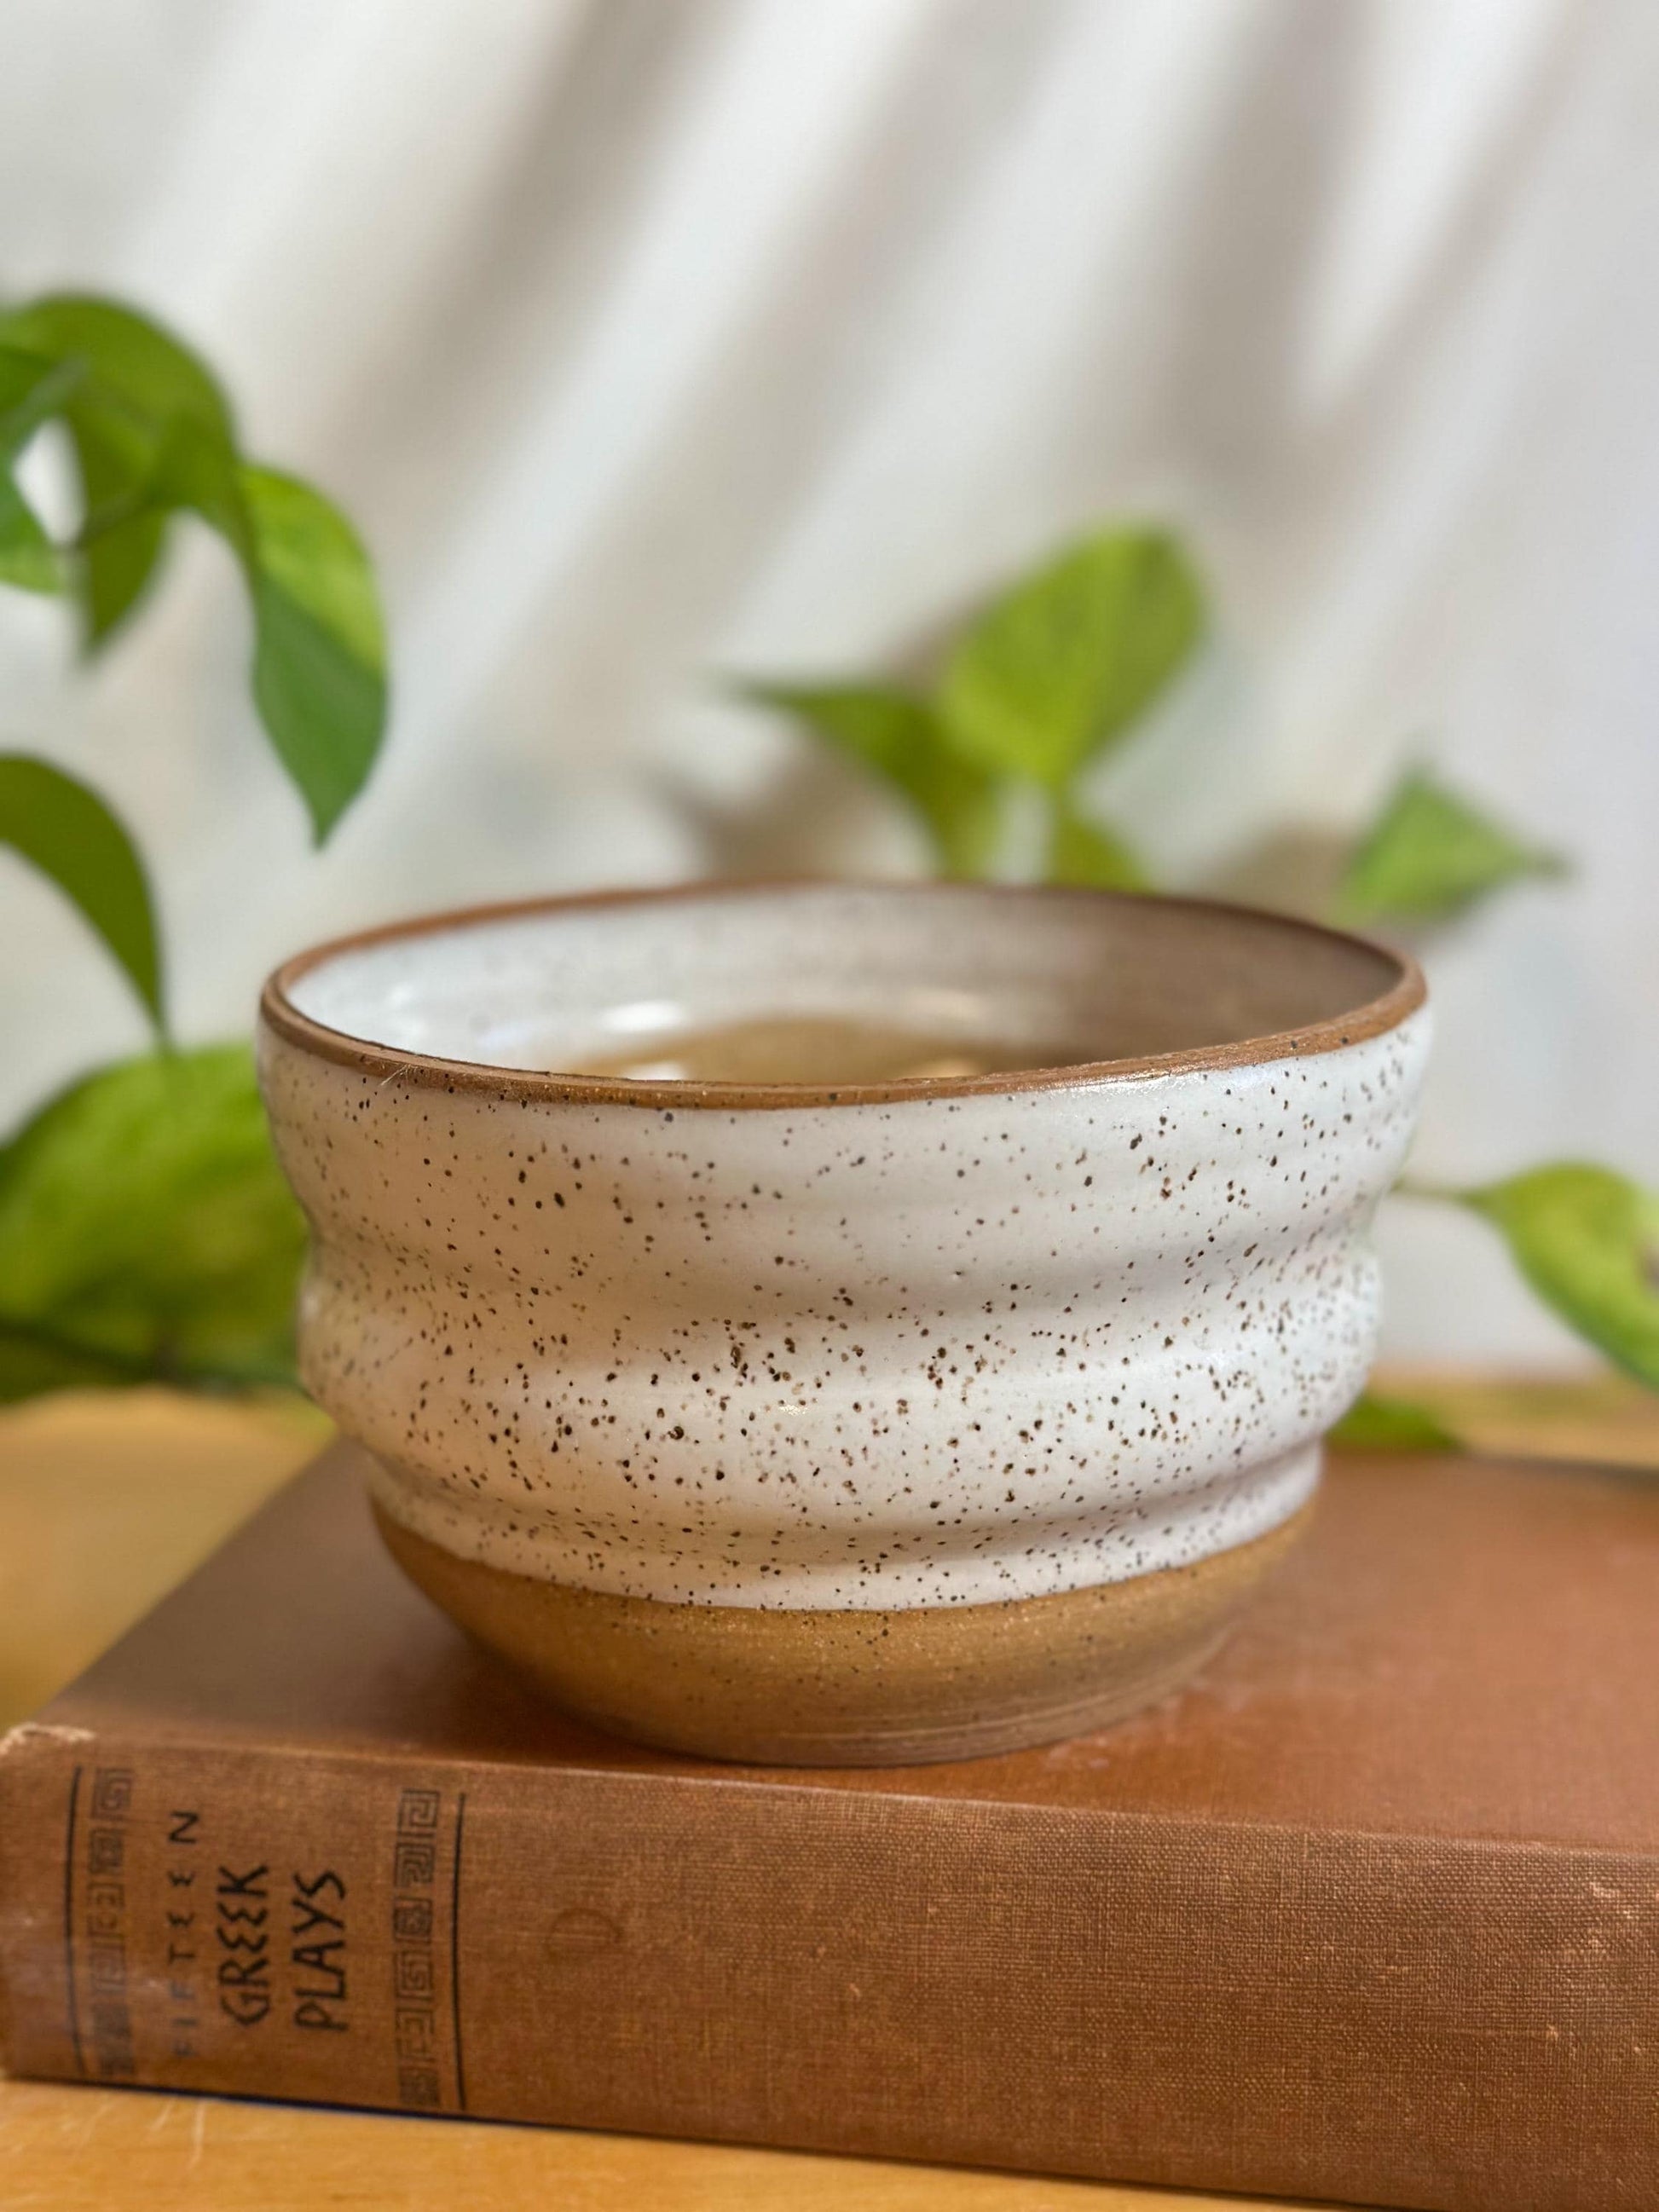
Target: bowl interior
(1024,978)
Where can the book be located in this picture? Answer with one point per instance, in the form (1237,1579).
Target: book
(1369,1913)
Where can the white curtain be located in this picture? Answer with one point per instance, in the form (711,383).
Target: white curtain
(653,340)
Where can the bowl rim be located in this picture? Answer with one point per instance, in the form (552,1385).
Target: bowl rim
(278,1012)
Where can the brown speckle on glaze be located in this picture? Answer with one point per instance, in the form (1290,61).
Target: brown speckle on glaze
(951,1346)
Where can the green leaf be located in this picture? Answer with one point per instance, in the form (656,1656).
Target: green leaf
(66,830)
(1067,661)
(1376,1424)
(31,391)
(136,384)
(319,659)
(1090,855)
(1430,856)
(28,559)
(132,491)
(1587,1240)
(319,642)
(899,737)
(32,1361)
(122,542)
(306,549)
(146,1231)
(197,469)
(153,434)
(140,370)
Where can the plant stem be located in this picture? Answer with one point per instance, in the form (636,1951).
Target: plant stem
(1436,1192)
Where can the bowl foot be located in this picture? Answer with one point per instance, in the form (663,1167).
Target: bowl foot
(800,1688)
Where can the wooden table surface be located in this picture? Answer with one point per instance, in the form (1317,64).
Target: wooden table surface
(105,1503)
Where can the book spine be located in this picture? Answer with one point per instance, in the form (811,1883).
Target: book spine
(1452,2027)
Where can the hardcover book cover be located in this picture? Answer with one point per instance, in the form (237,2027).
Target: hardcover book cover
(1370,1912)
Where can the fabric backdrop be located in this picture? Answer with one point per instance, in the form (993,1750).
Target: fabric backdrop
(652,339)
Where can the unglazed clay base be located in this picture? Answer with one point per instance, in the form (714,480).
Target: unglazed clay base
(854,1688)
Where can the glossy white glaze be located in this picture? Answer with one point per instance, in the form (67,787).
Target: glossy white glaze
(942,1349)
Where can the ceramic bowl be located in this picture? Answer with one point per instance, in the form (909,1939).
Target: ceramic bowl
(842,1424)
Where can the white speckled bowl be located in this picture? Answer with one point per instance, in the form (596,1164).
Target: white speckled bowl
(887,1422)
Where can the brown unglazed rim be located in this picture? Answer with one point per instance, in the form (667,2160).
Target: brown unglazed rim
(1403,996)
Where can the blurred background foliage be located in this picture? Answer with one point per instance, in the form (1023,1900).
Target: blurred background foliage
(1060,670)
(145,1233)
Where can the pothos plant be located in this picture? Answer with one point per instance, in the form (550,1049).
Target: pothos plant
(145,1231)
(1060,670)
